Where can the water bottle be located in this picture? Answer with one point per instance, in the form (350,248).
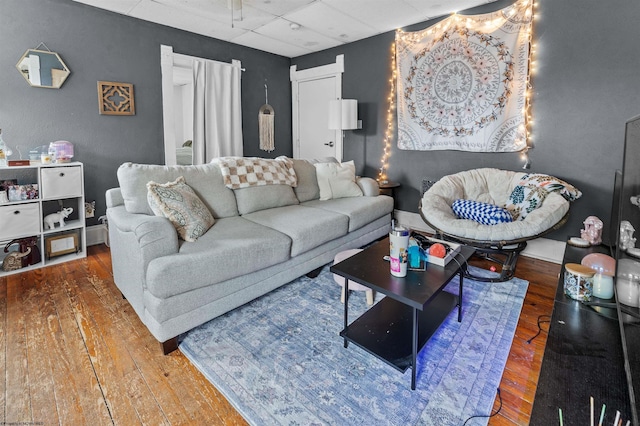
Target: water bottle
(398,254)
(3,152)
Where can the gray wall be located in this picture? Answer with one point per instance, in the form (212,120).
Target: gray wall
(100,45)
(586,86)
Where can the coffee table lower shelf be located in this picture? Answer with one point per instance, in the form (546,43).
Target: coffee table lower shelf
(386,329)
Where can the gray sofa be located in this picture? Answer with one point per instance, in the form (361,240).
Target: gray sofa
(263,237)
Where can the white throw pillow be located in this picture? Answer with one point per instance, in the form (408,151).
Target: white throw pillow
(337,180)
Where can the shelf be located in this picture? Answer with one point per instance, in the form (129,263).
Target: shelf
(584,352)
(59,185)
(386,329)
(19,203)
(68,226)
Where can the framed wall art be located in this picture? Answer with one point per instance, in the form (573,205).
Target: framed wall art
(116,98)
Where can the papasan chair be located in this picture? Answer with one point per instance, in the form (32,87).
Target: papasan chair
(501,242)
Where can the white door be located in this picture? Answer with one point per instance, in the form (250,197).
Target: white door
(315,138)
(311,91)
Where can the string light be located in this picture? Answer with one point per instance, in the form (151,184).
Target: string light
(529,13)
(384,161)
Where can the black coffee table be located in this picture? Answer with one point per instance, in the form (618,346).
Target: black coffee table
(397,327)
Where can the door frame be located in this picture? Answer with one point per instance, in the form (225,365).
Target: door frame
(334,70)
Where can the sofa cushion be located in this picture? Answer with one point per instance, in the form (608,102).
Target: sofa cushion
(231,248)
(307,227)
(337,180)
(307,188)
(177,202)
(257,198)
(360,210)
(205,179)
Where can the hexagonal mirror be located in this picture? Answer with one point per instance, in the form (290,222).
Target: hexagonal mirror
(42,68)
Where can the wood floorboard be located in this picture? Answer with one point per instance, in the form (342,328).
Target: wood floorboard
(75,352)
(520,378)
(3,349)
(64,389)
(17,377)
(72,355)
(38,309)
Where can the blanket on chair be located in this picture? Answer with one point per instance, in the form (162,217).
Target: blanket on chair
(243,172)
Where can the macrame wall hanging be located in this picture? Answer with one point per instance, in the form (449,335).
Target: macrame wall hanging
(266,119)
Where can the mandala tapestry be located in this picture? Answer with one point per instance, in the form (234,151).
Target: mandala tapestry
(462,84)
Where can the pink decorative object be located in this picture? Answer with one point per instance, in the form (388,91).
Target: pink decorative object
(601,263)
(592,231)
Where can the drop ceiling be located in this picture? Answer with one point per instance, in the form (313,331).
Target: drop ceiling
(286,27)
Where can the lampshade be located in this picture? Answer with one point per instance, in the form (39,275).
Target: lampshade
(343,114)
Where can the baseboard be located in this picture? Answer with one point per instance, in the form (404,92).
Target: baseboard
(96,234)
(540,248)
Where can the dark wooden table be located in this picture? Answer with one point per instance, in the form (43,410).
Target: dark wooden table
(389,188)
(583,358)
(397,327)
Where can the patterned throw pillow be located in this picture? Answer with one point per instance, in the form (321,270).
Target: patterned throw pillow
(484,213)
(179,203)
(525,199)
(551,184)
(531,191)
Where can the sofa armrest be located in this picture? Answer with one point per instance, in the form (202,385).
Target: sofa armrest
(154,235)
(114,197)
(135,240)
(368,186)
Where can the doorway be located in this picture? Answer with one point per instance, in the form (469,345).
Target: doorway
(177,106)
(192,129)
(312,89)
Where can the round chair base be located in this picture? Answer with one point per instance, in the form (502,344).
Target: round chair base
(505,256)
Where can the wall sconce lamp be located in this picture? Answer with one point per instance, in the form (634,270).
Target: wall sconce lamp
(343,115)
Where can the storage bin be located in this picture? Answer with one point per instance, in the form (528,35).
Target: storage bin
(19,220)
(61,182)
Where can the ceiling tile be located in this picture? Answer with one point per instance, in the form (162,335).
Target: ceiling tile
(260,42)
(382,15)
(119,6)
(278,7)
(162,14)
(324,19)
(264,24)
(304,37)
(437,8)
(246,17)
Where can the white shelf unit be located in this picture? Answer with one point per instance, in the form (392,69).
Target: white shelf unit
(59,185)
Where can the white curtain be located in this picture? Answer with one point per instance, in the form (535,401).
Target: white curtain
(217,113)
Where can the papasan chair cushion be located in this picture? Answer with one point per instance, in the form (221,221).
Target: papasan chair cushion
(492,186)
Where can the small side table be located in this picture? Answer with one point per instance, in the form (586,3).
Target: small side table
(389,188)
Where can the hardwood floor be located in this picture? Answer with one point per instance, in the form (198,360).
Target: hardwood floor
(74,352)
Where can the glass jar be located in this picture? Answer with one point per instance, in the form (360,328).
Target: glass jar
(578,281)
(628,282)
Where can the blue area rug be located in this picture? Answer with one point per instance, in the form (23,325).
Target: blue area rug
(280,359)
